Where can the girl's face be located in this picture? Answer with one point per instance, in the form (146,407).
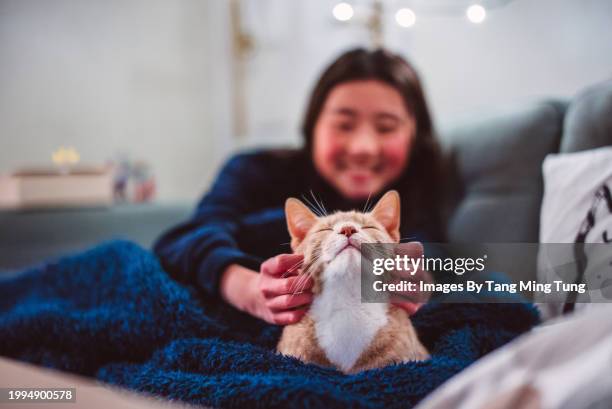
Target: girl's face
(362,138)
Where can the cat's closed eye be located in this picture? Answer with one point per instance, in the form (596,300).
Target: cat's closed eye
(323,229)
(370,227)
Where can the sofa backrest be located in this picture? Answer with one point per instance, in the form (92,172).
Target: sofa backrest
(495,165)
(588,122)
(496,162)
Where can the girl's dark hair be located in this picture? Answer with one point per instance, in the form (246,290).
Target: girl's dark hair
(423,175)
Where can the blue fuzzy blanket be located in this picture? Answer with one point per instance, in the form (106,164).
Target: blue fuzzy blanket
(114,314)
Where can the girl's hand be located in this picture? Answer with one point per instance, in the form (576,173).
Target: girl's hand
(281,296)
(411,301)
(276,295)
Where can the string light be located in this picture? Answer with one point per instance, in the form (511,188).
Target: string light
(476,13)
(343,11)
(405,17)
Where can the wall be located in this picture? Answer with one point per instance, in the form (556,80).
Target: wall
(112,77)
(153,78)
(527,49)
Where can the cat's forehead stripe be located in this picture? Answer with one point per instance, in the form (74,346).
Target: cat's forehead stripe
(352,216)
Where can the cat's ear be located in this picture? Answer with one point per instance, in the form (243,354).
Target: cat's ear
(299,219)
(387,212)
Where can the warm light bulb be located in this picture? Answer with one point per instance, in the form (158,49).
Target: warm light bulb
(476,13)
(405,17)
(343,11)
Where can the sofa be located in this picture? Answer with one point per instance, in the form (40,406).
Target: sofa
(31,236)
(497,157)
(495,195)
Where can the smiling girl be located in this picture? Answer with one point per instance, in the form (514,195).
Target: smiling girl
(367,129)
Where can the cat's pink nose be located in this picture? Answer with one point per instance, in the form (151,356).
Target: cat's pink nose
(348,230)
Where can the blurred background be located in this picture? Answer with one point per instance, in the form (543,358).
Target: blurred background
(177,85)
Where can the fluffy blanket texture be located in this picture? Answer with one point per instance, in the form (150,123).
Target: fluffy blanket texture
(112,313)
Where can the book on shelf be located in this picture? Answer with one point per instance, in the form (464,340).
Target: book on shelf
(41,187)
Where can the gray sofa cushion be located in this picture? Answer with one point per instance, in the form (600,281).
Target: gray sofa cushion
(588,122)
(496,163)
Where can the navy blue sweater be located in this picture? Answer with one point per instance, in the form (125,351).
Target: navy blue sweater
(241,219)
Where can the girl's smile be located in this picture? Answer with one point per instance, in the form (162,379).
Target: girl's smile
(363,138)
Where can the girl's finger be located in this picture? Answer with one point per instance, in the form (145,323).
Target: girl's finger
(289,301)
(409,307)
(412,249)
(288,317)
(279,265)
(292,285)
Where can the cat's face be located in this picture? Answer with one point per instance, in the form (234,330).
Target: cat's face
(337,238)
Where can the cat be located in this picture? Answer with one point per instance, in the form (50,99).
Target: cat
(339,330)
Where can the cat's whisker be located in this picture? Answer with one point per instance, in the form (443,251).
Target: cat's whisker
(314,198)
(293,268)
(319,203)
(383,252)
(290,271)
(301,283)
(370,206)
(296,265)
(365,206)
(312,207)
(296,283)
(378,252)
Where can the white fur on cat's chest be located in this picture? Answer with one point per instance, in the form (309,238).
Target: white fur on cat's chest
(344,326)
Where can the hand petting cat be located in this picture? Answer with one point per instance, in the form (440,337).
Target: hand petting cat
(411,301)
(276,294)
(279,296)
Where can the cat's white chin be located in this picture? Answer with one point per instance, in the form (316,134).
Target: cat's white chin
(350,248)
(350,254)
(346,262)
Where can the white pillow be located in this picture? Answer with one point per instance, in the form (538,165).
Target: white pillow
(577,205)
(570,183)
